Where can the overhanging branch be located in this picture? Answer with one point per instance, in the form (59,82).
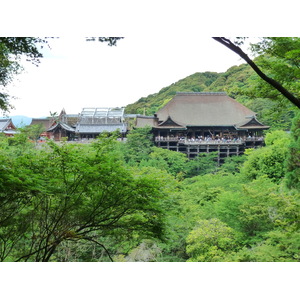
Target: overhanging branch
(227,43)
(92,240)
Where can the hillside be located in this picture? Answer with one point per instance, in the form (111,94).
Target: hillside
(236,82)
(199,82)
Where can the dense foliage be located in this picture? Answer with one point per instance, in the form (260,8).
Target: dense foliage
(72,193)
(132,201)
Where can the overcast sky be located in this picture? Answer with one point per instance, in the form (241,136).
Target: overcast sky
(74,73)
(165,41)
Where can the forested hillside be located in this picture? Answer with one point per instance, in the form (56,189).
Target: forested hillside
(238,82)
(114,201)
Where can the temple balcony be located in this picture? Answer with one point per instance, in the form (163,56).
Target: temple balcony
(209,141)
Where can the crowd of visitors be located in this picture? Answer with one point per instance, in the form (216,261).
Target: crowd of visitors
(209,139)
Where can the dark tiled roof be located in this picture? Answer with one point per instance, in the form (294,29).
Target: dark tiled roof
(204,109)
(62,125)
(251,123)
(46,122)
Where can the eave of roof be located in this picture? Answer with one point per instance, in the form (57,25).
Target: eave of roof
(251,127)
(62,125)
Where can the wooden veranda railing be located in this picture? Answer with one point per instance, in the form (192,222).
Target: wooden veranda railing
(206,141)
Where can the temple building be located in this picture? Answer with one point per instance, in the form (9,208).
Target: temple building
(94,121)
(7,127)
(194,123)
(88,124)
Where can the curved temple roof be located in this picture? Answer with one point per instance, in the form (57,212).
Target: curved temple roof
(205,109)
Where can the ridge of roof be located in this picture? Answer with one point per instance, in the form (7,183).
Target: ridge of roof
(63,125)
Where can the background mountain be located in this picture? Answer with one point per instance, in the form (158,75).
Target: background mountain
(237,82)
(21,121)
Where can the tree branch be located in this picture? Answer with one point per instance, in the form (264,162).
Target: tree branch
(227,43)
(92,240)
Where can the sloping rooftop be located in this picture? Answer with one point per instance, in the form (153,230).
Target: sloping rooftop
(46,122)
(205,109)
(7,127)
(6,124)
(251,123)
(62,125)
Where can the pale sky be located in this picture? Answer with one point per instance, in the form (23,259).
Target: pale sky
(75,74)
(165,41)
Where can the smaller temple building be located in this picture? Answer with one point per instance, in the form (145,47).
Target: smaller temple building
(194,123)
(87,125)
(7,127)
(93,121)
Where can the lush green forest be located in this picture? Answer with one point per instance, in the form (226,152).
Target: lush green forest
(115,201)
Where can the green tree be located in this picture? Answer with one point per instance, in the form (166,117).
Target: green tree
(81,193)
(279,246)
(232,164)
(203,164)
(255,209)
(164,159)
(15,189)
(293,158)
(269,160)
(33,132)
(210,241)
(278,216)
(138,145)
